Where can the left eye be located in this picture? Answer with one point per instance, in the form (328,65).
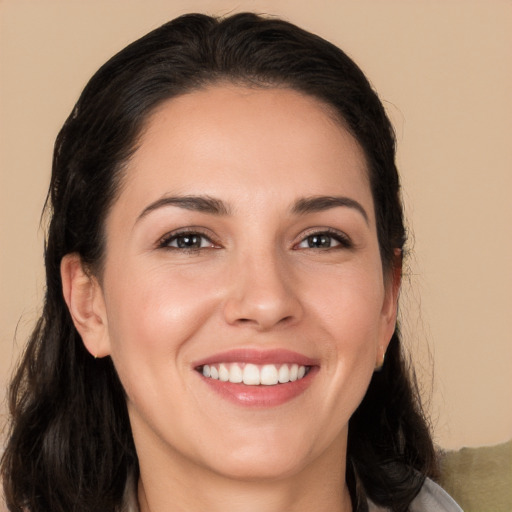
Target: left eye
(188,241)
(322,241)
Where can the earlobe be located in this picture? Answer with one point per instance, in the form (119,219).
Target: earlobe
(84,298)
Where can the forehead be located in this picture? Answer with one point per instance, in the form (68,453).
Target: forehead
(231,140)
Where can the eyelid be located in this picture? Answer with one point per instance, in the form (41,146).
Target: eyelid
(344,240)
(164,241)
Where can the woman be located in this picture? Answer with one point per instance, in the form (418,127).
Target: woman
(223,266)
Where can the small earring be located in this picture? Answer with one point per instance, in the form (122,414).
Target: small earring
(378,367)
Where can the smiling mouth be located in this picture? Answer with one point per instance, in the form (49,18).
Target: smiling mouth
(253,374)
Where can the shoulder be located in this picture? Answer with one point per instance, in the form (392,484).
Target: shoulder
(431,498)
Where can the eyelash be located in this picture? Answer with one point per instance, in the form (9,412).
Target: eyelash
(165,242)
(343,240)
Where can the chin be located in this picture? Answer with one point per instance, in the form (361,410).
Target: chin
(269,456)
(260,468)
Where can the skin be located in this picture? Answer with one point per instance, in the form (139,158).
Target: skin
(255,283)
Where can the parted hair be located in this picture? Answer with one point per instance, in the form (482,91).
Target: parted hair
(70,446)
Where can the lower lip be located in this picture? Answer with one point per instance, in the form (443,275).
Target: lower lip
(261,396)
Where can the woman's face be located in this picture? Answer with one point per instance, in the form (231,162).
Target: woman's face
(243,246)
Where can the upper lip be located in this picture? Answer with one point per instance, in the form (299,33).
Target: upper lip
(255,356)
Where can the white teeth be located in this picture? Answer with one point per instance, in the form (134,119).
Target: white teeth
(294,370)
(253,375)
(284,374)
(223,373)
(235,374)
(269,375)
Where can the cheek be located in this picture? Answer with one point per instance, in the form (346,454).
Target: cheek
(345,318)
(152,314)
(153,320)
(348,309)
(350,301)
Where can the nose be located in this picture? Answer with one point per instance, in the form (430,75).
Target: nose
(263,294)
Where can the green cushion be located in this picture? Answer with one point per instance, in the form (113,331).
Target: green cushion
(479,479)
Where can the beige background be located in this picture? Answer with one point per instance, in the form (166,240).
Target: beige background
(443,70)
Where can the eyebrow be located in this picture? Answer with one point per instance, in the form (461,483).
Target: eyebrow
(322,203)
(213,206)
(204,204)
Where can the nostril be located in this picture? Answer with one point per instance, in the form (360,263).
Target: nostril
(262,308)
(285,320)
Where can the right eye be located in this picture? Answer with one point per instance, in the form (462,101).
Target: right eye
(187,241)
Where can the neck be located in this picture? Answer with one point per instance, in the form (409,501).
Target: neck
(187,487)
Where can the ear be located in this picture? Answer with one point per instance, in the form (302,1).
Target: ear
(389,307)
(84,298)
